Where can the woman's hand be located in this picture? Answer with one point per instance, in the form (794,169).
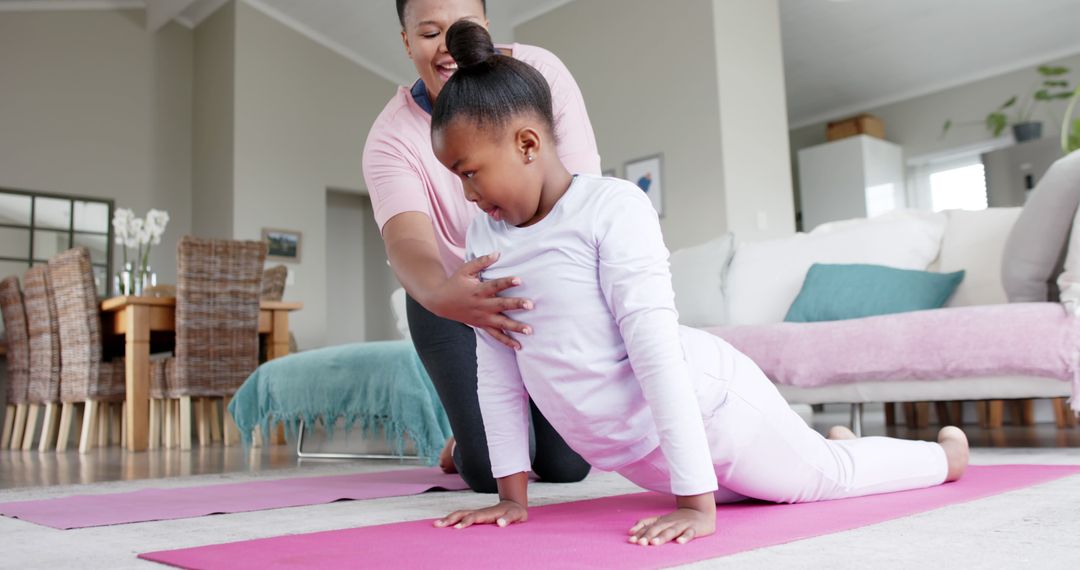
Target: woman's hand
(696,516)
(503,514)
(466,299)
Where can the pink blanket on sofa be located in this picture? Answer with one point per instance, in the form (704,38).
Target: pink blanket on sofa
(1028,339)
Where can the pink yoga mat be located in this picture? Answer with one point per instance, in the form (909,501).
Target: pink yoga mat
(592,534)
(81,511)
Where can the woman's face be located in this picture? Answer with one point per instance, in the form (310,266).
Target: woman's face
(426,22)
(499,171)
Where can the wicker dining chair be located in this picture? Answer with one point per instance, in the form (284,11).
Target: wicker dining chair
(43,326)
(273,283)
(18,362)
(85,376)
(217,334)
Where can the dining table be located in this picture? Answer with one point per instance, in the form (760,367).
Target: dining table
(135,317)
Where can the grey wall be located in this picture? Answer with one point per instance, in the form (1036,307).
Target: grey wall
(302,113)
(213,124)
(93,105)
(346,217)
(916,123)
(650,85)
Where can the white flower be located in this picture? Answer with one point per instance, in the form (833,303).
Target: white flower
(137,233)
(156,220)
(121,223)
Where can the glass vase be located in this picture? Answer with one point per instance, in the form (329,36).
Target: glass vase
(125,280)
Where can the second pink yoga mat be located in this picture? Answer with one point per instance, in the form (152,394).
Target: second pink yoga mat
(154,504)
(592,534)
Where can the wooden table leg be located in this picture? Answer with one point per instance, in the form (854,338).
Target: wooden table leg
(279,346)
(137,376)
(279,335)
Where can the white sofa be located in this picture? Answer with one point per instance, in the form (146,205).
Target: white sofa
(762,279)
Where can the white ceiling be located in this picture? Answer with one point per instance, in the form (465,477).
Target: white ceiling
(841,56)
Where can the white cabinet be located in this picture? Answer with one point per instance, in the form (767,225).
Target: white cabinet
(855,177)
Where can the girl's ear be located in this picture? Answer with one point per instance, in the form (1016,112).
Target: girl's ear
(405,40)
(528,143)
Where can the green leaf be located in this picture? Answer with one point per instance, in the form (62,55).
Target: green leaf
(1056,83)
(1053,70)
(1009,103)
(1064,95)
(1042,95)
(945,128)
(996,122)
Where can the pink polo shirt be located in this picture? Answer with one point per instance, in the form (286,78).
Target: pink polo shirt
(403,175)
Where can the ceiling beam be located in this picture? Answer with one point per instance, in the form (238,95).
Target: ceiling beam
(161,12)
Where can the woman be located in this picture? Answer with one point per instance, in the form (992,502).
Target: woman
(423,215)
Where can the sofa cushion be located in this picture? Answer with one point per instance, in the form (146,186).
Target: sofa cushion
(839,292)
(1035,250)
(697,276)
(974,242)
(765,277)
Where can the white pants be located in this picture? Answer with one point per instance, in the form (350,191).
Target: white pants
(762,449)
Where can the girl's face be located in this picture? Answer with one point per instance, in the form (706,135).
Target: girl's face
(499,169)
(426,22)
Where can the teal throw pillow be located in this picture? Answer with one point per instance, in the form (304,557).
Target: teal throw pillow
(838,292)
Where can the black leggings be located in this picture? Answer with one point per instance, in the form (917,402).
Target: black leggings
(448,350)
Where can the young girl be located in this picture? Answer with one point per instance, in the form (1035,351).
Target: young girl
(673,409)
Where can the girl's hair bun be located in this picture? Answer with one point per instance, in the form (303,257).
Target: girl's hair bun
(469,44)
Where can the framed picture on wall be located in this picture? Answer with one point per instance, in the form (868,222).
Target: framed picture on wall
(282,245)
(648,174)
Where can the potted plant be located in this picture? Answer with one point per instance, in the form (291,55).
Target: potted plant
(1070,128)
(1019,112)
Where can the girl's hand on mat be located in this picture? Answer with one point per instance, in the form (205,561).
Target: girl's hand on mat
(503,514)
(682,526)
(463,297)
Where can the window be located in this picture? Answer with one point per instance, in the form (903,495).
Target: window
(951,180)
(958,188)
(35,226)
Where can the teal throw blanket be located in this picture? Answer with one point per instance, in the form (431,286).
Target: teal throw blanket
(372,384)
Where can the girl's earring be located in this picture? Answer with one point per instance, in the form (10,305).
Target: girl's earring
(530,158)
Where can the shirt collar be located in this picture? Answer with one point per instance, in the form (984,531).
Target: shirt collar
(420,95)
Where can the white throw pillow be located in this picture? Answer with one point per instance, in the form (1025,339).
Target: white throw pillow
(397,304)
(697,276)
(975,242)
(765,277)
(1069,280)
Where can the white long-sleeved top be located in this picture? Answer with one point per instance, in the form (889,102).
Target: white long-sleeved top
(605,363)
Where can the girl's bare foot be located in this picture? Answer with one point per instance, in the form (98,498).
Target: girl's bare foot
(841,432)
(446,457)
(955,444)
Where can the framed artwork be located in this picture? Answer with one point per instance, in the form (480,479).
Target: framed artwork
(647,173)
(282,245)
